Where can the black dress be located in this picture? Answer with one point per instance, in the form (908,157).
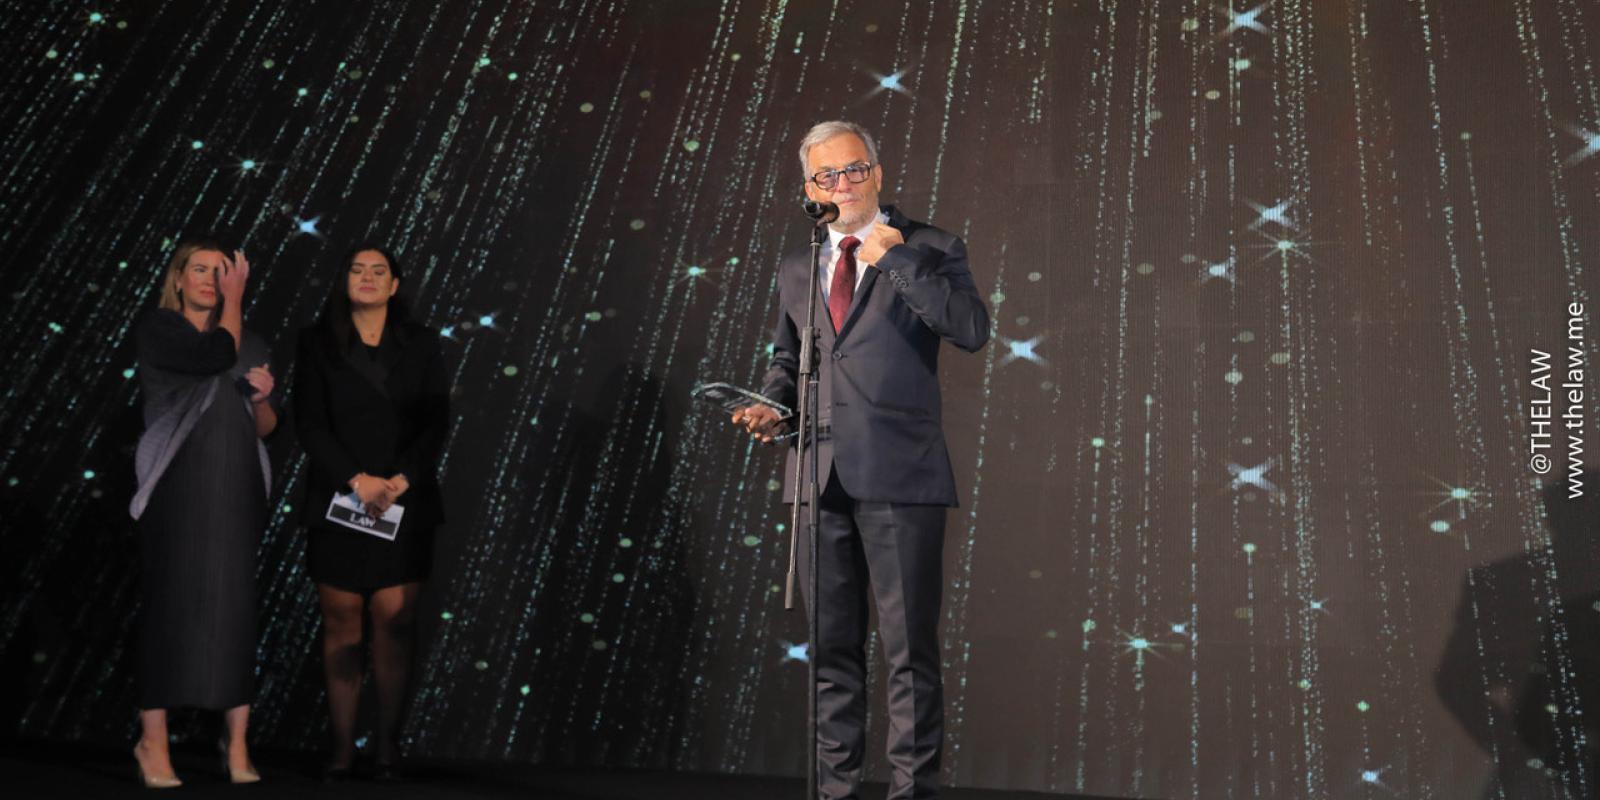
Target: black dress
(199,533)
(382,410)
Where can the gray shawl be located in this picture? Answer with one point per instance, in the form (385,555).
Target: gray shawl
(174,402)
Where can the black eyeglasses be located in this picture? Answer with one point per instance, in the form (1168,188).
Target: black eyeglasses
(829,178)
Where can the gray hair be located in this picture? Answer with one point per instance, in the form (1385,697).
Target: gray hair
(823,131)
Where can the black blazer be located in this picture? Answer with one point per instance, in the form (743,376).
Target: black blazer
(879,376)
(382,417)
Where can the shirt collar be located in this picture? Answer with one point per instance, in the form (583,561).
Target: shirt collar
(834,237)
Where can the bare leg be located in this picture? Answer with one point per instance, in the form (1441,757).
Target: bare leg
(341,664)
(154,757)
(394,614)
(238,722)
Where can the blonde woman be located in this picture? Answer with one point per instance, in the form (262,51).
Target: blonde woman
(201,504)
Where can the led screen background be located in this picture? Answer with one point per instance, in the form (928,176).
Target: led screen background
(1246,504)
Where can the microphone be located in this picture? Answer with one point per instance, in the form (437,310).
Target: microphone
(820,212)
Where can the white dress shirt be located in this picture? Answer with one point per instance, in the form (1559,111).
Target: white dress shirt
(830,254)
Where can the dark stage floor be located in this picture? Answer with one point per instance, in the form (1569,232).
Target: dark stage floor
(34,769)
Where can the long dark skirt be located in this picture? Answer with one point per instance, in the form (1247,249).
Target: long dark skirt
(198,541)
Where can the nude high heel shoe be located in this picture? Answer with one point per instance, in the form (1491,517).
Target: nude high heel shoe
(153,781)
(246,775)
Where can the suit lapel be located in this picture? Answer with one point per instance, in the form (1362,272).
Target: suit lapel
(824,319)
(374,372)
(391,349)
(858,301)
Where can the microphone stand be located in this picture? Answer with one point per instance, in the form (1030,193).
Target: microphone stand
(806,427)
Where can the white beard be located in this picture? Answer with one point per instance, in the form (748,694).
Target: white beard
(843,225)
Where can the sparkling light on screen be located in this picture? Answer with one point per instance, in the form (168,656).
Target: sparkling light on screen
(1246,509)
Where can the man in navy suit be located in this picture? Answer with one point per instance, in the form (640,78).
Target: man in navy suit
(891,290)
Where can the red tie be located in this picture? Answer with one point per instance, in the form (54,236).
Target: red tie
(843,287)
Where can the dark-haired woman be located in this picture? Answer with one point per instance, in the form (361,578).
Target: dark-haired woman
(371,401)
(201,504)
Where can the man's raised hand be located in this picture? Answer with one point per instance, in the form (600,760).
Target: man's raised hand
(878,242)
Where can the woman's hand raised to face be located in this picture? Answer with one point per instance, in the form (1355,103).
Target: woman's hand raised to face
(231,280)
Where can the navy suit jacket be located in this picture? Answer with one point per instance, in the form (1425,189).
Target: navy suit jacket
(879,375)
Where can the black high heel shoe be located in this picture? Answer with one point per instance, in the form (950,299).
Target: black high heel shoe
(332,773)
(386,772)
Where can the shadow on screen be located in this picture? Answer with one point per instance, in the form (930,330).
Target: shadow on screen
(616,500)
(1521,669)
